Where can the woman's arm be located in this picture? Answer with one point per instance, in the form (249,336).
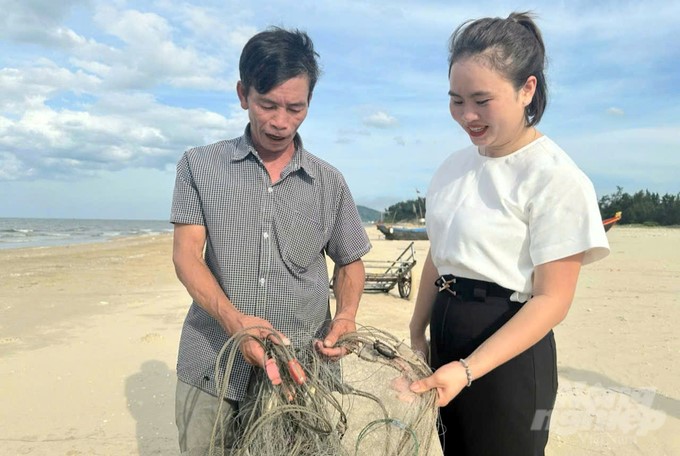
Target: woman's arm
(427,293)
(554,287)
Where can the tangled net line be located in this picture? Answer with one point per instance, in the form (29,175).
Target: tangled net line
(360,405)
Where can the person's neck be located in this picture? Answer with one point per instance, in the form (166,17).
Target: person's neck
(527,136)
(275,163)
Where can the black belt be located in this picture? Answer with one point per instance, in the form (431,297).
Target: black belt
(471,288)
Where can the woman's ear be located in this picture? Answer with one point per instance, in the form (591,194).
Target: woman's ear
(528,89)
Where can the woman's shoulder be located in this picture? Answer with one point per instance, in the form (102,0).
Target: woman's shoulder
(466,156)
(545,158)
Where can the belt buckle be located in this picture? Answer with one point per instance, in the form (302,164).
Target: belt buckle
(446,285)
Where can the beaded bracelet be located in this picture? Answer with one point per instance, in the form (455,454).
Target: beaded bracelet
(468,374)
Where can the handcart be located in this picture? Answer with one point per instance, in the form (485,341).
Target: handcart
(384,275)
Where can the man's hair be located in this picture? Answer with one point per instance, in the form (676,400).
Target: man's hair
(276,55)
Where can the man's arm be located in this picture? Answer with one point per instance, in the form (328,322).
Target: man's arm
(192,271)
(347,287)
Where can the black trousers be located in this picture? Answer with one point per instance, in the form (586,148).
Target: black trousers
(507,411)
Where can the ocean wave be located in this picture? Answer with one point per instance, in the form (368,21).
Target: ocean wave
(50,232)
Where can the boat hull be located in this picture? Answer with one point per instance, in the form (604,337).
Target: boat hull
(402,233)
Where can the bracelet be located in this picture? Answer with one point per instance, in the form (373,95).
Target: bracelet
(468,374)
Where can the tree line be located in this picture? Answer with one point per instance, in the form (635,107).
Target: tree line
(643,207)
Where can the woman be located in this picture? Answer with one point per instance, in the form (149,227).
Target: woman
(510,219)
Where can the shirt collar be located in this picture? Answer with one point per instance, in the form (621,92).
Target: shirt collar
(300,158)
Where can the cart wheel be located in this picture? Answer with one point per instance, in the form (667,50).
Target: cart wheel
(405,285)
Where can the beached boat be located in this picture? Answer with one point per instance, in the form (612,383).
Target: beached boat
(611,221)
(418,233)
(402,233)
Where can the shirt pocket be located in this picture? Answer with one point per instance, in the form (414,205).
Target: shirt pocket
(303,240)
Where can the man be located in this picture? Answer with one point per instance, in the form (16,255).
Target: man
(265,212)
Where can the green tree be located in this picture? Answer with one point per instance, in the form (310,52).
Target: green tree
(405,211)
(643,207)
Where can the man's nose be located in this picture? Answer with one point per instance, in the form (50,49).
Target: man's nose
(280,120)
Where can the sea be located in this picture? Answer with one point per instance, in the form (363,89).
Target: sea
(36,232)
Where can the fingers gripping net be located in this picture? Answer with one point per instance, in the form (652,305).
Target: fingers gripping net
(360,405)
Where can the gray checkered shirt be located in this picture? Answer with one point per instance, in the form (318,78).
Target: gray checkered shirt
(265,246)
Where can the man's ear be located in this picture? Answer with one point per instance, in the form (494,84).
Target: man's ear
(242,94)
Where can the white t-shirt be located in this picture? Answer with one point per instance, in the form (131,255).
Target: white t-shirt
(496,219)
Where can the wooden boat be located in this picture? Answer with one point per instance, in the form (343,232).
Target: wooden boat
(611,221)
(419,233)
(402,233)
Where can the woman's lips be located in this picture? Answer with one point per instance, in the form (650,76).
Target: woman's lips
(476,132)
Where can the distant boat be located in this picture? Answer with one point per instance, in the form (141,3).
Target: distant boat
(419,233)
(402,233)
(611,221)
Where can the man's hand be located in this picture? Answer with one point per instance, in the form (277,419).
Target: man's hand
(421,346)
(261,329)
(339,327)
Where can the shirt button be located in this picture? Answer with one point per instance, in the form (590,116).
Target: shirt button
(262,281)
(265,235)
(269,189)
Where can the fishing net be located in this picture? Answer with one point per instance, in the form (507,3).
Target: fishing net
(359,405)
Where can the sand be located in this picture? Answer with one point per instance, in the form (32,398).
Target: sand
(89,334)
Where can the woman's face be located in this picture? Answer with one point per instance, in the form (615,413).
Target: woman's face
(488,107)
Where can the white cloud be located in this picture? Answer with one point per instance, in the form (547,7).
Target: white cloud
(380,119)
(616,111)
(150,56)
(38,22)
(117,132)
(29,88)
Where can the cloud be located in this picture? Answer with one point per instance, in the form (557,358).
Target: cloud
(149,56)
(380,119)
(23,89)
(38,22)
(116,132)
(616,111)
(93,107)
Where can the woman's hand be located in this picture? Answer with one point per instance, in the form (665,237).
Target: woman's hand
(449,380)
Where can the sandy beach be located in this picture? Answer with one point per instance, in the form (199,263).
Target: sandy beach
(89,334)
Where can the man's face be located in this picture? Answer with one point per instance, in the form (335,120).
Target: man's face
(275,116)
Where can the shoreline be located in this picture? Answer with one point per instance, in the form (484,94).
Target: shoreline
(38,232)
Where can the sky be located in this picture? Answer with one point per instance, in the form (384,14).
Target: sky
(99,99)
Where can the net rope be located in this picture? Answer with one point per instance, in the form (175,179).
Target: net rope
(360,405)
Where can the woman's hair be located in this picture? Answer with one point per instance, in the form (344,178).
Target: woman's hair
(513,47)
(276,55)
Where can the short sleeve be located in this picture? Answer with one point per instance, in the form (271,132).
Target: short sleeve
(186,201)
(348,241)
(565,218)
